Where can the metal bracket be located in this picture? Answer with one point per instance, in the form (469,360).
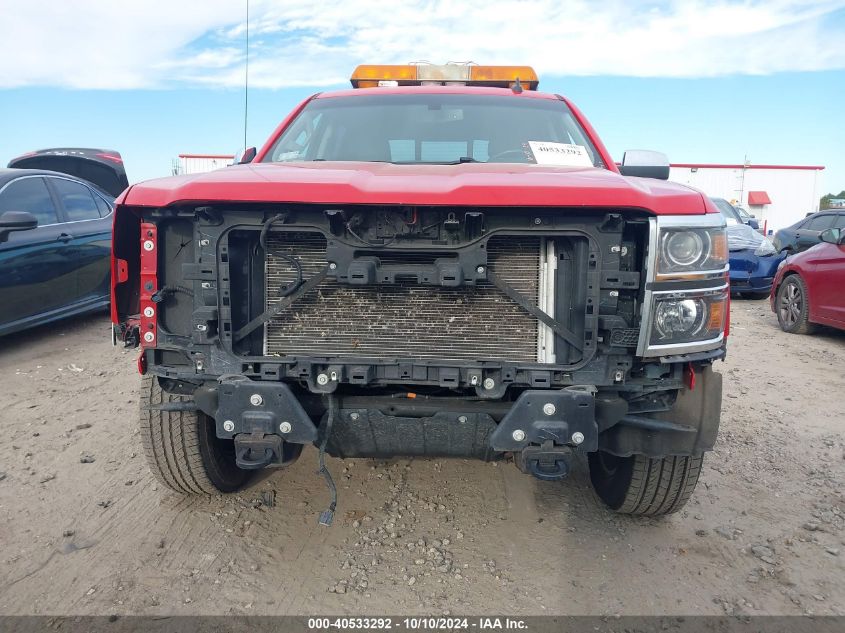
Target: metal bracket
(278,308)
(562,417)
(248,406)
(359,266)
(558,327)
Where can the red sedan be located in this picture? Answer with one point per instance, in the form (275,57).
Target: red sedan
(809,287)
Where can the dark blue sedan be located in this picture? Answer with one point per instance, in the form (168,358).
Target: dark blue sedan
(753,259)
(55,244)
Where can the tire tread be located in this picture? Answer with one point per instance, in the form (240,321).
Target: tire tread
(170,441)
(803,326)
(660,486)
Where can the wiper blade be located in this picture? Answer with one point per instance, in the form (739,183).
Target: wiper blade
(462,159)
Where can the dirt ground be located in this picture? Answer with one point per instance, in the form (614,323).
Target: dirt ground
(84,529)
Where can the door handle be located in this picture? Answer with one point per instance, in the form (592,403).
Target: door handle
(64,237)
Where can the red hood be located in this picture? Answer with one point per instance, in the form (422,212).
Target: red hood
(469,184)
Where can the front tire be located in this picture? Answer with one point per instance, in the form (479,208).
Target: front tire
(182,448)
(644,486)
(793,307)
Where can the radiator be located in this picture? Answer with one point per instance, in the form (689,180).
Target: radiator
(403,320)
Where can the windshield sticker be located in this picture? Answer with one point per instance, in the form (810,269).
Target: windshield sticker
(547,153)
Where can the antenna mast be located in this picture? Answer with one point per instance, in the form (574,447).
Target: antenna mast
(246,75)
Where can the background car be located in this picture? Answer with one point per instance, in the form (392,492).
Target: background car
(804,234)
(808,288)
(746,217)
(55,245)
(753,258)
(102,167)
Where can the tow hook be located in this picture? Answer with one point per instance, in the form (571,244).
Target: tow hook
(547,462)
(256,450)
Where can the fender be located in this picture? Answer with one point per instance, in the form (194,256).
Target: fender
(688,428)
(125,263)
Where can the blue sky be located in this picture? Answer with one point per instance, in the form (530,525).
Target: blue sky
(701,81)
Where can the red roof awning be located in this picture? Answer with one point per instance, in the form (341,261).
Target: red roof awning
(757,198)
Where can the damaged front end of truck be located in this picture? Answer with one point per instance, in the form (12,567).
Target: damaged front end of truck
(524,313)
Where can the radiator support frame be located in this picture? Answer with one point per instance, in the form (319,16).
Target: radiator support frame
(229,292)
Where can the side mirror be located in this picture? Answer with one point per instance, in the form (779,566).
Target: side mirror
(245,156)
(832,236)
(16,221)
(645,164)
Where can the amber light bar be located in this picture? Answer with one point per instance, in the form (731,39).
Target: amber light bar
(373,76)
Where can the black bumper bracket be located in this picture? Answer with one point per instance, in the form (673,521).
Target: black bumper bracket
(266,408)
(564,417)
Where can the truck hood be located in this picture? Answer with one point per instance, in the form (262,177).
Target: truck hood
(466,184)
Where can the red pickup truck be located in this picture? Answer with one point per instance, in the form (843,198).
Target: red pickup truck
(441,261)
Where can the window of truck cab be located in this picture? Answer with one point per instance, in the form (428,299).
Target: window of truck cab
(428,128)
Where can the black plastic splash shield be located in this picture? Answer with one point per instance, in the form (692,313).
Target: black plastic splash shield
(371,433)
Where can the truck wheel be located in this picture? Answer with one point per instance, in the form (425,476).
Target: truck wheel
(642,485)
(182,449)
(792,306)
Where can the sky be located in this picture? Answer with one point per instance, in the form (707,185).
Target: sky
(722,82)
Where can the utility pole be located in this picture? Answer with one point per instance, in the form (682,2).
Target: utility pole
(745,165)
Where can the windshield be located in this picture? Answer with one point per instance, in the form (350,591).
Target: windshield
(728,212)
(436,128)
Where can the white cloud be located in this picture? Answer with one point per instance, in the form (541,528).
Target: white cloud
(101,44)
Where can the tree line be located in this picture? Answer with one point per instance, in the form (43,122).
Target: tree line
(824,203)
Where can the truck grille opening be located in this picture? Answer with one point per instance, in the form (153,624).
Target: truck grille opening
(403,320)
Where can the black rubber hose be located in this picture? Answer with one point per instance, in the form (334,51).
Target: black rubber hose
(287,289)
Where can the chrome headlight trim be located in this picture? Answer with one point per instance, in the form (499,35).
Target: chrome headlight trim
(656,349)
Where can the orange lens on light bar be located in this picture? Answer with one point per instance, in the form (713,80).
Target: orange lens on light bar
(369,76)
(507,74)
(384,73)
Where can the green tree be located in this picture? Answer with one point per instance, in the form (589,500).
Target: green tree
(824,202)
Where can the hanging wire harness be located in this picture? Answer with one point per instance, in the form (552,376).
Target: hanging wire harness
(327,516)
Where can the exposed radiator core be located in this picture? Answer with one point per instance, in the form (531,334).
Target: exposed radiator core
(403,320)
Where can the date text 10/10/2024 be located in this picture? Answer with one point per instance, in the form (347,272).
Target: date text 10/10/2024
(417,624)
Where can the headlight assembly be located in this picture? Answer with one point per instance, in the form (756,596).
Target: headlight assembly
(677,318)
(685,305)
(685,251)
(688,319)
(682,249)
